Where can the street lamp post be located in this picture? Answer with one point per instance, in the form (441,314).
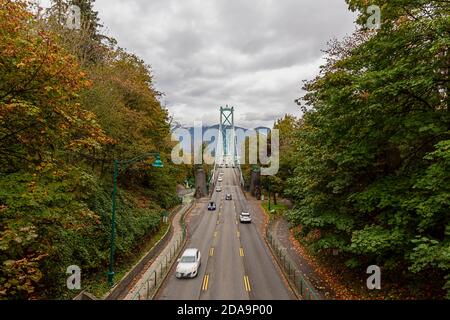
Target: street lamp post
(121,165)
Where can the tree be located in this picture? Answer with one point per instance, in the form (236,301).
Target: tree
(41,125)
(87,43)
(287,127)
(372,152)
(89,17)
(64,117)
(39,85)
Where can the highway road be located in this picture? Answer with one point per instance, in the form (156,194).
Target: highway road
(236,262)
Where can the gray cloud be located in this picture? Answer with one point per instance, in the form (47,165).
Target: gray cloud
(252,54)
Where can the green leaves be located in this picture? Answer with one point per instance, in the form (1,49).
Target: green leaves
(375,240)
(373,153)
(430,253)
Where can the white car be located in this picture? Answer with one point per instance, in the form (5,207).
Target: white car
(245,217)
(220,179)
(188,264)
(219,189)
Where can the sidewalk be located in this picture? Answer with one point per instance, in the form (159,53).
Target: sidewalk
(161,262)
(280,230)
(280,238)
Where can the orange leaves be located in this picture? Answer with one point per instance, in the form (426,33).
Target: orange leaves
(342,292)
(40,83)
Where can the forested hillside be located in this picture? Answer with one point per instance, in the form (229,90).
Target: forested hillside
(72,101)
(372,152)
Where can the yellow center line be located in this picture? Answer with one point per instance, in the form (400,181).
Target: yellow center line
(211,252)
(241,252)
(205,282)
(247,286)
(238,234)
(215,234)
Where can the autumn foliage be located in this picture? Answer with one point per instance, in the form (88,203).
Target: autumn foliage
(64,117)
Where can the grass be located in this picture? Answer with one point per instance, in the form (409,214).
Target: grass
(279,208)
(97,284)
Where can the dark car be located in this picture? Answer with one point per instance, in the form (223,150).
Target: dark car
(211,206)
(228,197)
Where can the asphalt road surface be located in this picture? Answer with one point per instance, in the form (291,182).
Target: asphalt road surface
(236,262)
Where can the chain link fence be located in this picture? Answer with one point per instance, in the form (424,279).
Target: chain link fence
(295,276)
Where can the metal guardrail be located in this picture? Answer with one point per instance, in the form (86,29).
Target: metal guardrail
(150,286)
(295,276)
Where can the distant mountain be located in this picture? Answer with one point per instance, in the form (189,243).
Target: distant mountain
(187,147)
(216,126)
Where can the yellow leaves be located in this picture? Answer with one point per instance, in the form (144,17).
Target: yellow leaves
(6,109)
(44,166)
(23,274)
(63,126)
(9,263)
(91,215)
(32,187)
(88,83)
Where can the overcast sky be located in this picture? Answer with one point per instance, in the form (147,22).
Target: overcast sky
(252,54)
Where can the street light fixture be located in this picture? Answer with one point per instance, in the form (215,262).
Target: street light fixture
(158,163)
(118,166)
